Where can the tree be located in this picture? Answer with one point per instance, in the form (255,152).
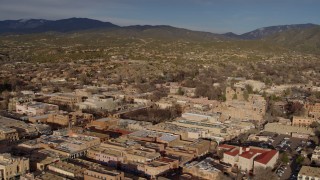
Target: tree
(299,159)
(295,108)
(284,158)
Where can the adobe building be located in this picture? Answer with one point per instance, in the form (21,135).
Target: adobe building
(11,167)
(249,158)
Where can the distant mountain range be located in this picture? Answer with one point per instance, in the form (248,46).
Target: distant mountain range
(24,26)
(269,31)
(41,25)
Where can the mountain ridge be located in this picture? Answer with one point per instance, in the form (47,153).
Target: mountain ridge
(25,26)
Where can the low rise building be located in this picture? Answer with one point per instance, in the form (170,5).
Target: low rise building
(294,131)
(302,121)
(102,174)
(110,156)
(63,118)
(12,167)
(8,134)
(67,169)
(205,169)
(154,136)
(309,173)
(98,102)
(36,108)
(313,110)
(68,99)
(23,129)
(316,155)
(103,123)
(249,158)
(72,146)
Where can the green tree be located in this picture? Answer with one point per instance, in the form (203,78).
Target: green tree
(299,160)
(284,158)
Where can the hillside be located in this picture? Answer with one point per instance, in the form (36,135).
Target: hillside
(306,40)
(272,30)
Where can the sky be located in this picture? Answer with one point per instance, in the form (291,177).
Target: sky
(218,16)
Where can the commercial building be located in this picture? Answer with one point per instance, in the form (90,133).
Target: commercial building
(67,169)
(316,155)
(102,174)
(309,173)
(72,146)
(36,108)
(241,106)
(12,167)
(68,99)
(205,169)
(302,121)
(23,129)
(63,118)
(8,134)
(103,123)
(294,131)
(98,102)
(313,110)
(154,136)
(110,156)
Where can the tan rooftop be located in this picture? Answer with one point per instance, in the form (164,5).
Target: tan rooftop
(310,171)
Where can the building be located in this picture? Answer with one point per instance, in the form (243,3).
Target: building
(294,131)
(67,169)
(63,118)
(8,134)
(103,123)
(309,173)
(36,108)
(313,110)
(236,93)
(205,169)
(110,156)
(302,121)
(98,102)
(72,146)
(23,129)
(248,158)
(102,174)
(241,106)
(316,155)
(160,166)
(12,167)
(67,99)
